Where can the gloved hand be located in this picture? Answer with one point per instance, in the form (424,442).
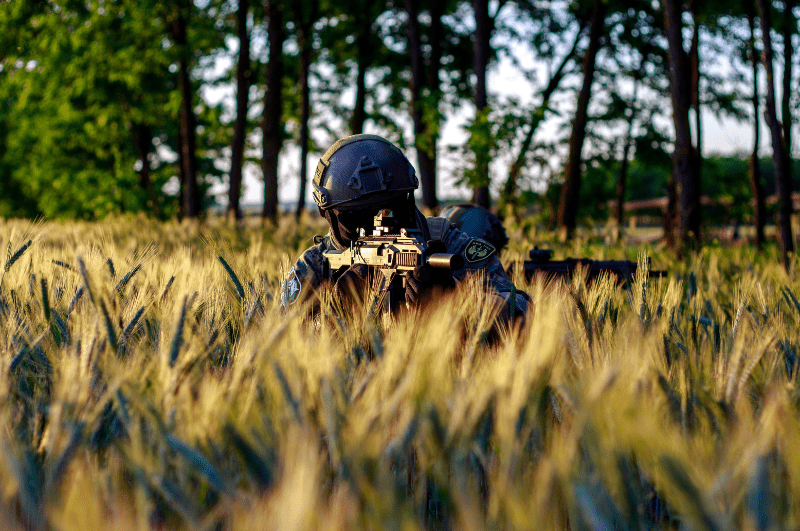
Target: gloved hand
(354,283)
(425,280)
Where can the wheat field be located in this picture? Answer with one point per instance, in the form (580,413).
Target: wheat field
(149,380)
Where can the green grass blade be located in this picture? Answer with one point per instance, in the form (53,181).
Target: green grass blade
(127,278)
(177,338)
(74,301)
(787,292)
(112,335)
(86,283)
(45,299)
(12,258)
(202,465)
(166,288)
(234,278)
(60,329)
(59,468)
(287,392)
(259,468)
(63,264)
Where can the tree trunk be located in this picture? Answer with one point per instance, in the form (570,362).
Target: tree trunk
(510,186)
(191,195)
(359,109)
(622,179)
(670,215)
(143,141)
(786,109)
(182,181)
(782,182)
(481,50)
(568,207)
(756,186)
(435,38)
(364,24)
(305,38)
(694,65)
(686,181)
(426,163)
(271,122)
(240,127)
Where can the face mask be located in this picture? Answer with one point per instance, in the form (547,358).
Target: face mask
(346,223)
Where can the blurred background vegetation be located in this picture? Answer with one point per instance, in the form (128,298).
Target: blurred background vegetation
(160,107)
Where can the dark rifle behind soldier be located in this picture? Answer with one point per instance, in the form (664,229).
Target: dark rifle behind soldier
(480,223)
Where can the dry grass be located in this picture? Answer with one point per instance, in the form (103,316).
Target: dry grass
(149,381)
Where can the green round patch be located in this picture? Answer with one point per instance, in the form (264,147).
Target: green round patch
(477,250)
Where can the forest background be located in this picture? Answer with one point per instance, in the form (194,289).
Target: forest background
(112,107)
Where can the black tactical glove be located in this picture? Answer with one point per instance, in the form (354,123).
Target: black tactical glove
(425,281)
(354,283)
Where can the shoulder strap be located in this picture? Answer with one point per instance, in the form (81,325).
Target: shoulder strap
(438,227)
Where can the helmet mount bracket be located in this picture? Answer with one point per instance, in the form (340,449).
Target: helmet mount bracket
(367,177)
(361,170)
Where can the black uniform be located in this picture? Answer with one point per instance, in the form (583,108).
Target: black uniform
(306,276)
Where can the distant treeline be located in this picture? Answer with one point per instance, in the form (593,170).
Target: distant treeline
(112,106)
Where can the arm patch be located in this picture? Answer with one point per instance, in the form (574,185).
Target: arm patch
(478,250)
(290,290)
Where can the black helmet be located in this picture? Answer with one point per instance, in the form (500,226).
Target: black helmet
(362,170)
(478,223)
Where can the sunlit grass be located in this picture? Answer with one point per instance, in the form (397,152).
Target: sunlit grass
(150,380)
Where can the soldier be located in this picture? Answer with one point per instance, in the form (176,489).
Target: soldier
(479,222)
(358,177)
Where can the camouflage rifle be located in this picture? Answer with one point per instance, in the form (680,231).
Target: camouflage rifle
(394,252)
(541,264)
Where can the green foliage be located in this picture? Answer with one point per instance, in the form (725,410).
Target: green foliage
(84,85)
(80,81)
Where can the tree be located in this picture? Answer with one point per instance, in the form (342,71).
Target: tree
(779,151)
(272,114)
(143,140)
(628,144)
(425,133)
(353,44)
(367,49)
(568,207)
(90,94)
(551,28)
(634,54)
(178,20)
(754,169)
(240,126)
(687,182)
(306,13)
(789,29)
(482,51)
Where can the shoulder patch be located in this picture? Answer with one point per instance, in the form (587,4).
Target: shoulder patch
(290,290)
(477,250)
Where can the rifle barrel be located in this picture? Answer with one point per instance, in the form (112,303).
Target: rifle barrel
(446,261)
